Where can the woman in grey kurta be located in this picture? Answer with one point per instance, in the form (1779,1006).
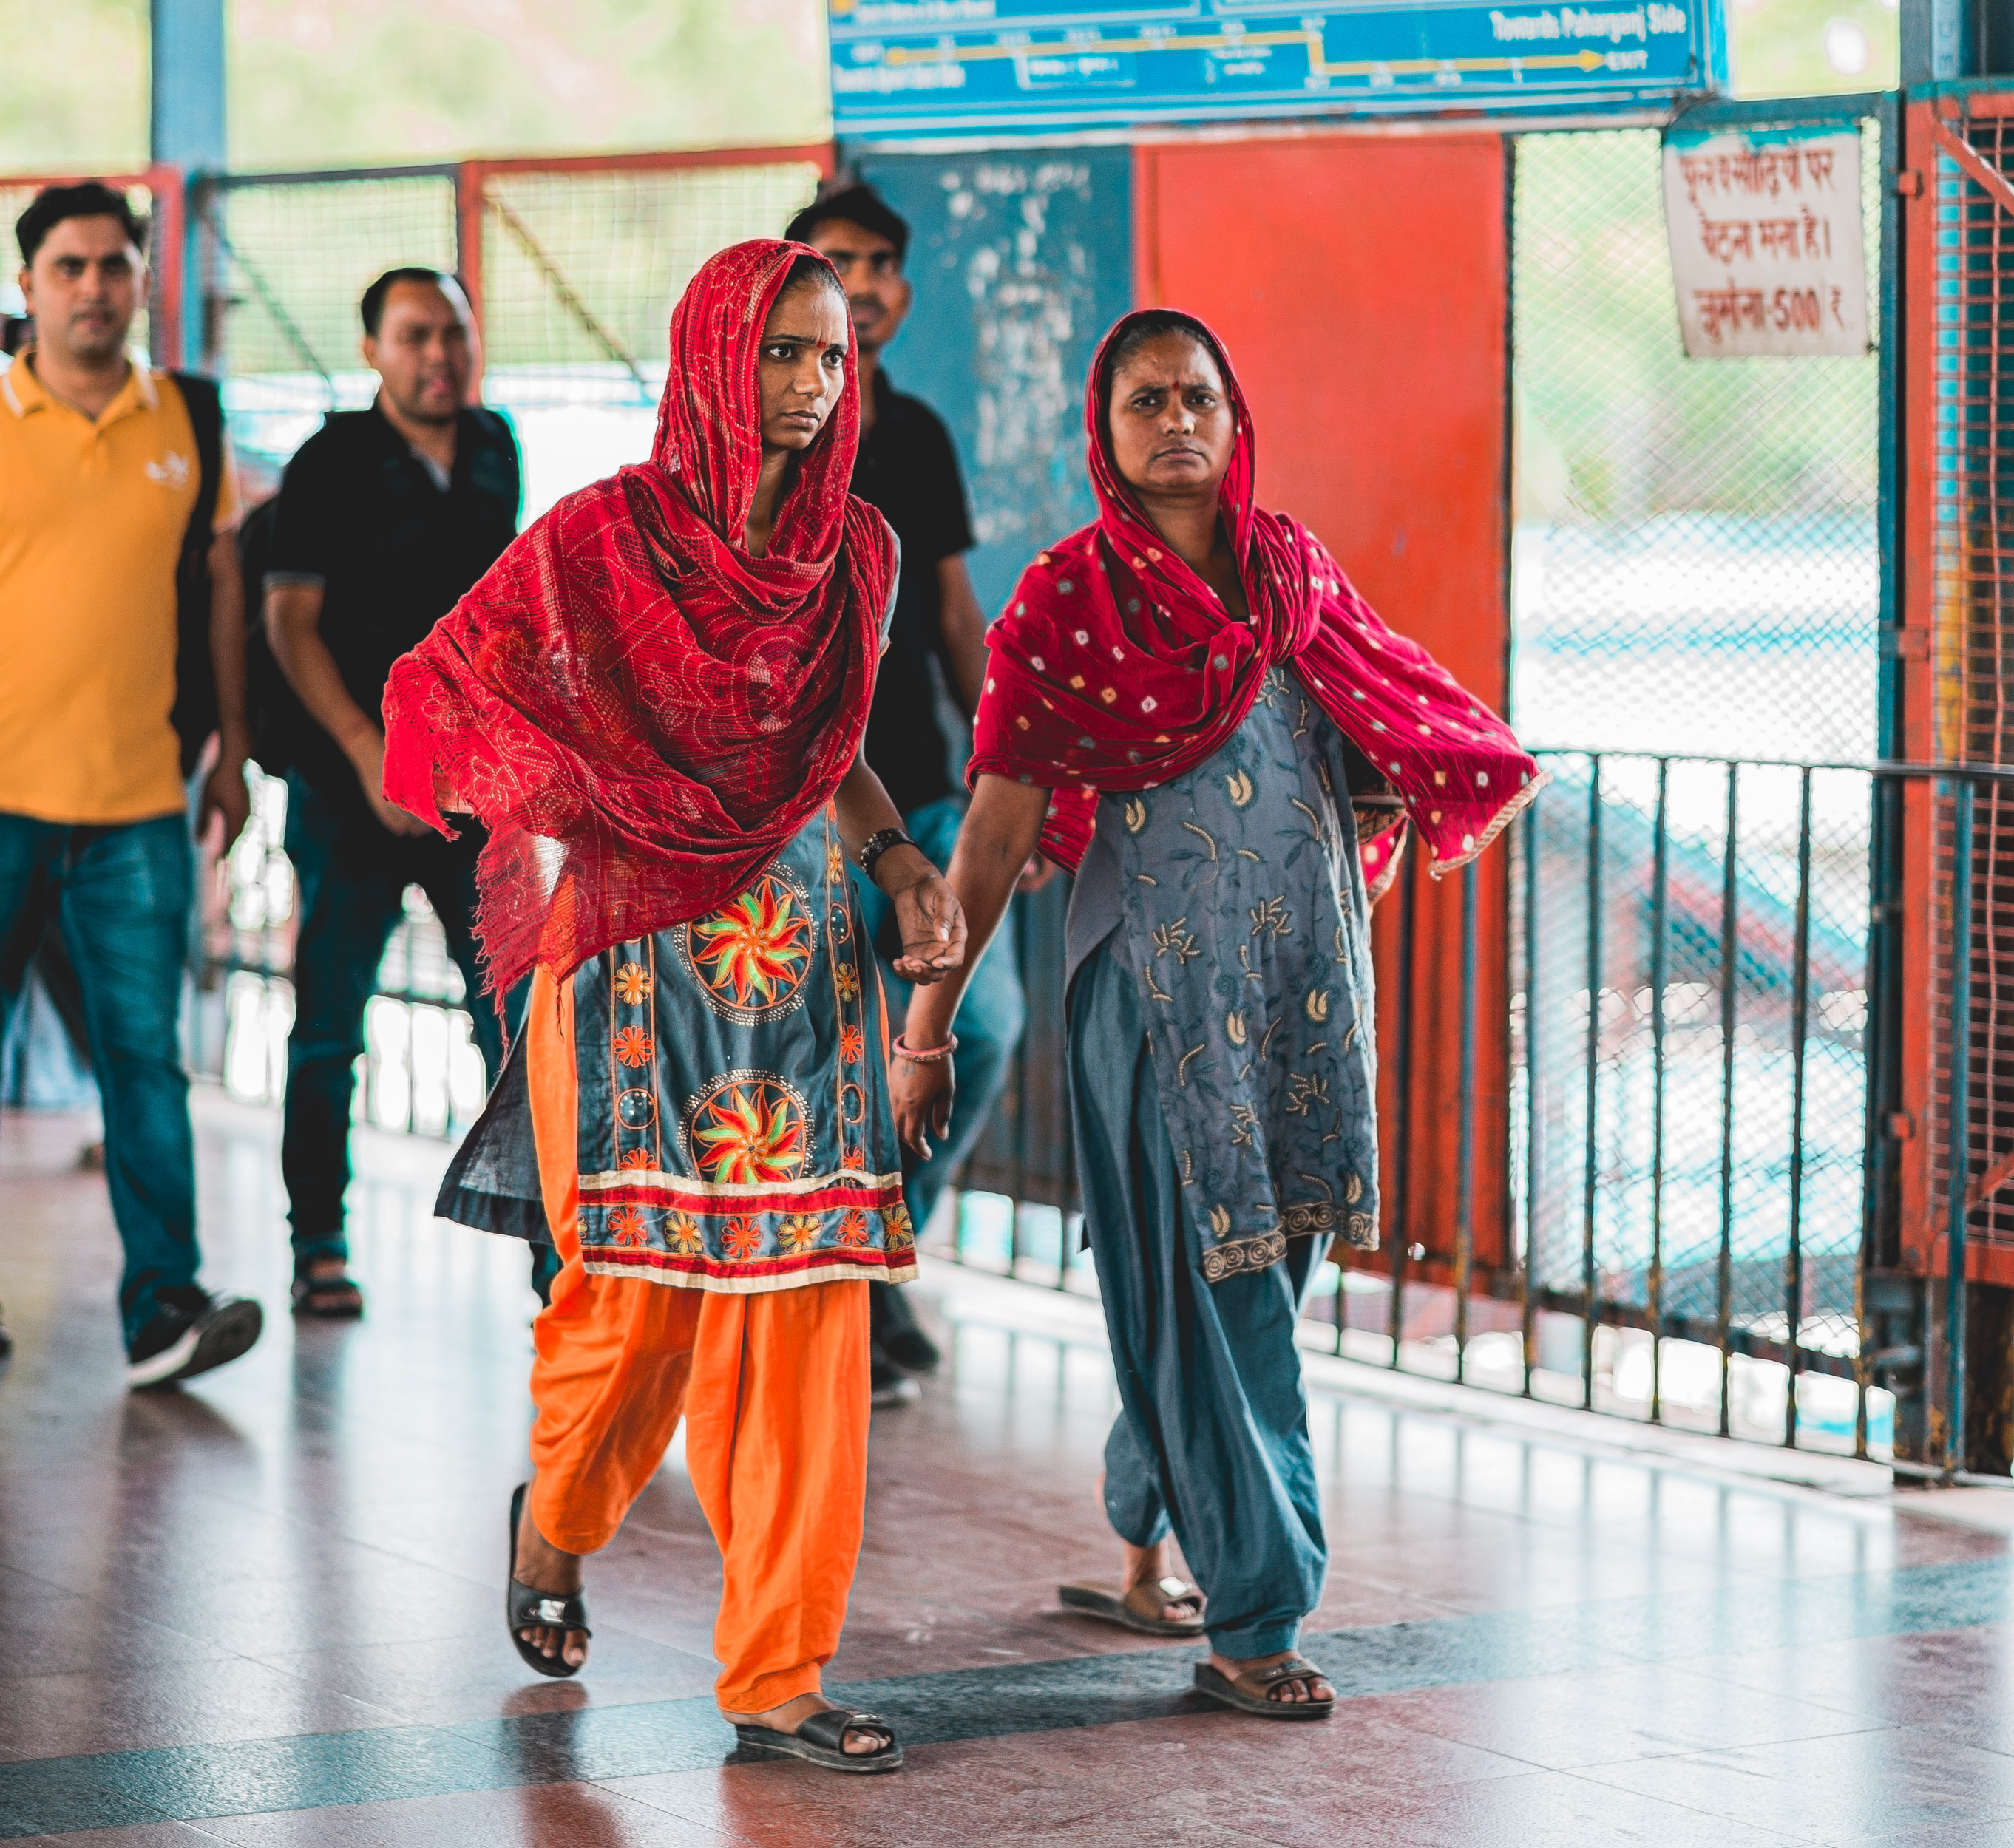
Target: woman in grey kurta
(1187,702)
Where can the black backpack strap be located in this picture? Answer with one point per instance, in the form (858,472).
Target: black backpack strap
(195,712)
(205,404)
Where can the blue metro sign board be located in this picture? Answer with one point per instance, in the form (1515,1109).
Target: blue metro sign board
(908,68)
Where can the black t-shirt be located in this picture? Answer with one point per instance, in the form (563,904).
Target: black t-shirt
(908,468)
(362,515)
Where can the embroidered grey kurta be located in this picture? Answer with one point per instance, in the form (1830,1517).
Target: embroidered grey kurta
(1238,901)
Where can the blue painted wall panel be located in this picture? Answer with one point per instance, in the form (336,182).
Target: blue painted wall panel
(1021,261)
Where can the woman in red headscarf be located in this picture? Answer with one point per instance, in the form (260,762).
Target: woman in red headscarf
(655,702)
(1187,704)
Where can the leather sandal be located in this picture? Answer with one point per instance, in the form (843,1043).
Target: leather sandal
(821,1740)
(1139,1609)
(525,1607)
(1250,1691)
(335,1298)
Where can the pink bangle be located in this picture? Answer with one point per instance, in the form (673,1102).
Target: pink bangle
(902,1050)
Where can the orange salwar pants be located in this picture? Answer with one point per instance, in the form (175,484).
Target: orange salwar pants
(773,1389)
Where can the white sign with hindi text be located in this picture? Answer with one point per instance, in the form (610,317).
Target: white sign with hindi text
(1768,253)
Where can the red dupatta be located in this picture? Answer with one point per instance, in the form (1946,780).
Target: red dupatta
(1115,667)
(640,712)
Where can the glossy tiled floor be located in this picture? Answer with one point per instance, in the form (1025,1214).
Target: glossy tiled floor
(264,1610)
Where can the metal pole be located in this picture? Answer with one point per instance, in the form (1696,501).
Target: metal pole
(1070,1187)
(1794,1262)
(1958,1135)
(187,131)
(1589,1304)
(1527,1309)
(1465,1226)
(1730,984)
(1659,920)
(1401,1086)
(1875,1041)
(1021,933)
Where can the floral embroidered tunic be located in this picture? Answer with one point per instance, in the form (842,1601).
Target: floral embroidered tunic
(1235,895)
(734,1130)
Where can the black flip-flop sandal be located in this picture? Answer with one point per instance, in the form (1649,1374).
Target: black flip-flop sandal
(821,1740)
(526,1607)
(1251,1692)
(1139,1609)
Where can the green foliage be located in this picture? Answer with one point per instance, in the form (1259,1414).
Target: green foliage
(1780,50)
(338,83)
(354,82)
(73,87)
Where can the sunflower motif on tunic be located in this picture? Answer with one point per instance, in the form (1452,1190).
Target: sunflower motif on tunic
(681,1232)
(851,1044)
(853,1228)
(633,984)
(848,983)
(743,1237)
(632,1046)
(636,1158)
(901,1232)
(753,955)
(750,1131)
(626,1227)
(798,1231)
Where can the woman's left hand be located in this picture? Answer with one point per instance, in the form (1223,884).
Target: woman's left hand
(922,1096)
(932,924)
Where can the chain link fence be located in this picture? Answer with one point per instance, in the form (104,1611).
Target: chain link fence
(1697,562)
(1698,588)
(573,265)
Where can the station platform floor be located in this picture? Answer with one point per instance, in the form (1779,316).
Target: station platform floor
(264,1610)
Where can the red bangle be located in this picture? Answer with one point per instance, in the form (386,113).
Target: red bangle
(901,1049)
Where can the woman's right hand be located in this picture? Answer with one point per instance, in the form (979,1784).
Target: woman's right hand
(922,1095)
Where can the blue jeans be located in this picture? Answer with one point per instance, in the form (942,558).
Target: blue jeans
(354,875)
(121,896)
(991,1014)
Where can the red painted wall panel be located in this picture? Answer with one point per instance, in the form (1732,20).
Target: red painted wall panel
(1360,281)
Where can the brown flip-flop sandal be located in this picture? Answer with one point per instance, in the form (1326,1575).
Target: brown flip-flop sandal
(1248,1693)
(1139,1609)
(327,1298)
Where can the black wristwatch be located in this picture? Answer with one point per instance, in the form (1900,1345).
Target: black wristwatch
(877,844)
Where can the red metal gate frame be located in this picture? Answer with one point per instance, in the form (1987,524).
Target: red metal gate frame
(1933,615)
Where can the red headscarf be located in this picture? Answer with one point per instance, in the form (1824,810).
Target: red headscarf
(641,712)
(1115,667)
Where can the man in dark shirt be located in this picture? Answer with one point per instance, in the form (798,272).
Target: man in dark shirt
(384,517)
(908,468)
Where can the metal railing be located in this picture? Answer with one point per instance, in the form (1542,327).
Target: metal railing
(1704,1006)
(420,1072)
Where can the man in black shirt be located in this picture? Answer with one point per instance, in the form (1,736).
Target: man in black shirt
(384,517)
(908,468)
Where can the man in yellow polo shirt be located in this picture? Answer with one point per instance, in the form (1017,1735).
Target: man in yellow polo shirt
(101,470)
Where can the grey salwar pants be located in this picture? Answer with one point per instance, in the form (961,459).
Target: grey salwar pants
(1212,1438)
